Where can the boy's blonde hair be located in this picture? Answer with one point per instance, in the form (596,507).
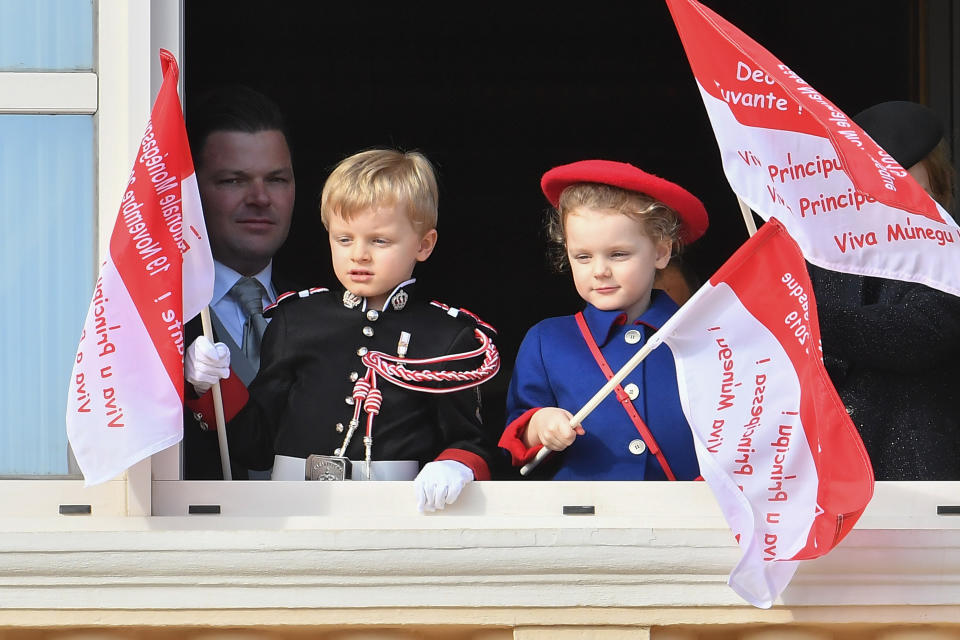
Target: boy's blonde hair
(659,221)
(382,177)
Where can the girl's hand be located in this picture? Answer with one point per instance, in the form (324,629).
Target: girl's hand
(551,428)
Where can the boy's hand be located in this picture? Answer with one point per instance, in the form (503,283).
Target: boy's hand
(551,428)
(205,363)
(439,483)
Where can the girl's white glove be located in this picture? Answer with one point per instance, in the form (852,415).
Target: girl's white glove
(205,363)
(439,483)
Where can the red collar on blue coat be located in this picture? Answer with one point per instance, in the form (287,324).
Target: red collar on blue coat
(603,324)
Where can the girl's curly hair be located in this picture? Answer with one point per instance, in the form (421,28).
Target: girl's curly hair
(658,220)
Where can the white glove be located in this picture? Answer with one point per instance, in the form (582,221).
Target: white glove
(205,363)
(439,483)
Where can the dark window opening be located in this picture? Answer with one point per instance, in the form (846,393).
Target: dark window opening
(495,94)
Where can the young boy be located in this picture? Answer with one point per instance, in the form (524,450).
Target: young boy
(370,372)
(617,225)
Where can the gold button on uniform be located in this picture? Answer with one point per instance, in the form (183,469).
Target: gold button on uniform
(637,446)
(632,337)
(632,391)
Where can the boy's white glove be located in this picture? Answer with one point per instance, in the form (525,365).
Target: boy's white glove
(206,362)
(439,483)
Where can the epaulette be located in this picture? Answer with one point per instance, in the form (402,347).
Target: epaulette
(455,312)
(303,293)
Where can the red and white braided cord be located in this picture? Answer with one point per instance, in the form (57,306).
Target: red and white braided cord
(393,368)
(371,404)
(365,390)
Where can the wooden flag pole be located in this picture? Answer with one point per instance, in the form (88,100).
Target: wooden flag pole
(217,404)
(747,217)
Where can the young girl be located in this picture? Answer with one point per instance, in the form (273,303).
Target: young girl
(617,225)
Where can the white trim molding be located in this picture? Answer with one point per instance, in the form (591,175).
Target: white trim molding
(504,554)
(44,93)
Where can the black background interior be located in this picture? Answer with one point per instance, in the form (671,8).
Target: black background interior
(495,94)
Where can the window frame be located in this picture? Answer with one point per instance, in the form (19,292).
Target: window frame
(117,94)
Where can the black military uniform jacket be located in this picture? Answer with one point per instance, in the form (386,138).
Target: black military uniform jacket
(301,400)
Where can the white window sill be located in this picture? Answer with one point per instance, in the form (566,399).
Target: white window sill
(328,546)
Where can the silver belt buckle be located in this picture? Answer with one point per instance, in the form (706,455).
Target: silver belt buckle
(328,467)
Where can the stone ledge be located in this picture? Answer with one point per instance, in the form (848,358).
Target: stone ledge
(499,549)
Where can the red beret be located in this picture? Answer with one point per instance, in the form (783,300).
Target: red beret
(693,215)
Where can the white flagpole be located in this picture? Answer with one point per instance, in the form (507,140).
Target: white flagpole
(747,217)
(217,404)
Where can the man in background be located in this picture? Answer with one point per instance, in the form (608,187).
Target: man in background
(245,176)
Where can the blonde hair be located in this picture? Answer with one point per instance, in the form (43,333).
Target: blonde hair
(382,177)
(940,172)
(658,220)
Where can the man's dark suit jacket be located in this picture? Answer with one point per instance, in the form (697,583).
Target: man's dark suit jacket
(201,450)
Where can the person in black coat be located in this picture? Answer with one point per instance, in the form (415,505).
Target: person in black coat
(892,348)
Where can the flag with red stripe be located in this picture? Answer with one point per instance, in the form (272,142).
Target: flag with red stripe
(774,442)
(125,400)
(789,152)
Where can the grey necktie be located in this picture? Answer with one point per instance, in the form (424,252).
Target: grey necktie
(249,293)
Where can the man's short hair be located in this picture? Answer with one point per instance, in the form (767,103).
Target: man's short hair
(231,108)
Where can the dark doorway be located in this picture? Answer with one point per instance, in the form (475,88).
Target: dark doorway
(494,94)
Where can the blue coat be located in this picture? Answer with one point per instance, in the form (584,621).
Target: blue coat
(554,368)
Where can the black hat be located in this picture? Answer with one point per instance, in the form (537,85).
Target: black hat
(906,130)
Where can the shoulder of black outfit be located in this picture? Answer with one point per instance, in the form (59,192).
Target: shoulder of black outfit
(417,308)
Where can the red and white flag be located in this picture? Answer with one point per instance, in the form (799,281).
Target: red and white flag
(773,439)
(126,395)
(789,152)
